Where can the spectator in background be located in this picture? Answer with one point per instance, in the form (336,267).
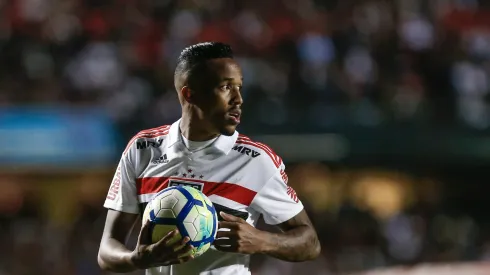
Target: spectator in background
(308,65)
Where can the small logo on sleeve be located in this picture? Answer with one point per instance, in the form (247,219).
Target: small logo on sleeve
(161,160)
(292,194)
(116,183)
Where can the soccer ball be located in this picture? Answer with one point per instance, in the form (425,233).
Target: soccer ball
(186,209)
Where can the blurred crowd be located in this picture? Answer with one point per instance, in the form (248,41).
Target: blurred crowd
(365,218)
(316,63)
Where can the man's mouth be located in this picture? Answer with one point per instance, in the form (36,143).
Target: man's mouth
(235,115)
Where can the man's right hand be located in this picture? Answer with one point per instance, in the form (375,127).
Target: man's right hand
(162,253)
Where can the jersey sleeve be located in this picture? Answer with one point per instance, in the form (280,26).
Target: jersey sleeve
(122,194)
(276,201)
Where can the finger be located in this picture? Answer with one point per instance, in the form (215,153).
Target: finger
(223,242)
(229,225)
(185,251)
(181,244)
(225,246)
(229,249)
(163,244)
(144,236)
(230,218)
(225,234)
(185,240)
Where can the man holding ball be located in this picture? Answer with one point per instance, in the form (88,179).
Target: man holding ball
(244,179)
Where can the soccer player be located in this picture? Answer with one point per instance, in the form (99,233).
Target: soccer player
(243,178)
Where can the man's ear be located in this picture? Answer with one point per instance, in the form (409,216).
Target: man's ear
(187,94)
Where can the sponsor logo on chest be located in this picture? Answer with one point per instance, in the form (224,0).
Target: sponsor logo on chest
(149,143)
(246,151)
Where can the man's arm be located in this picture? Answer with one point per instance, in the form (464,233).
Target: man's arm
(122,202)
(280,206)
(115,257)
(113,253)
(298,241)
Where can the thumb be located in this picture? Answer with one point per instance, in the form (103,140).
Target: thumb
(145,233)
(229,218)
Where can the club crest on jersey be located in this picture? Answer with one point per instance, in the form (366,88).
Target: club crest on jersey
(149,143)
(197,185)
(246,151)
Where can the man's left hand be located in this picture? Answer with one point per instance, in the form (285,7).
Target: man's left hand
(240,237)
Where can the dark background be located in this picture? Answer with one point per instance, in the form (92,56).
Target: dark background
(379,108)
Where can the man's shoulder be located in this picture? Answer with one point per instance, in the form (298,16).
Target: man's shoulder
(148,138)
(264,154)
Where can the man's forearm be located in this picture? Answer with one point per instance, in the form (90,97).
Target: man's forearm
(295,245)
(115,257)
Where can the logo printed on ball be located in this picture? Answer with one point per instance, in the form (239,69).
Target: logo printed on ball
(184,208)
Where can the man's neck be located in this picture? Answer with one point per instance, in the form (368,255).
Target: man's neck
(192,129)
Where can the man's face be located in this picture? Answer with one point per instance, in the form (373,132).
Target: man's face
(219,95)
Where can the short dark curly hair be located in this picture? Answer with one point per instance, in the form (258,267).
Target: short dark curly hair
(196,55)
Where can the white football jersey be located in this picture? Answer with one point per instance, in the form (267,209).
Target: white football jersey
(241,177)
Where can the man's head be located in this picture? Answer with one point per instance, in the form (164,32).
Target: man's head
(209,82)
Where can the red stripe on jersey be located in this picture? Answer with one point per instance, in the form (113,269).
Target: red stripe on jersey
(150,133)
(231,191)
(243,136)
(265,147)
(292,194)
(275,158)
(151,185)
(284,176)
(262,146)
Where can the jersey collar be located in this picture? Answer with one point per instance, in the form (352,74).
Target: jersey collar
(223,144)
